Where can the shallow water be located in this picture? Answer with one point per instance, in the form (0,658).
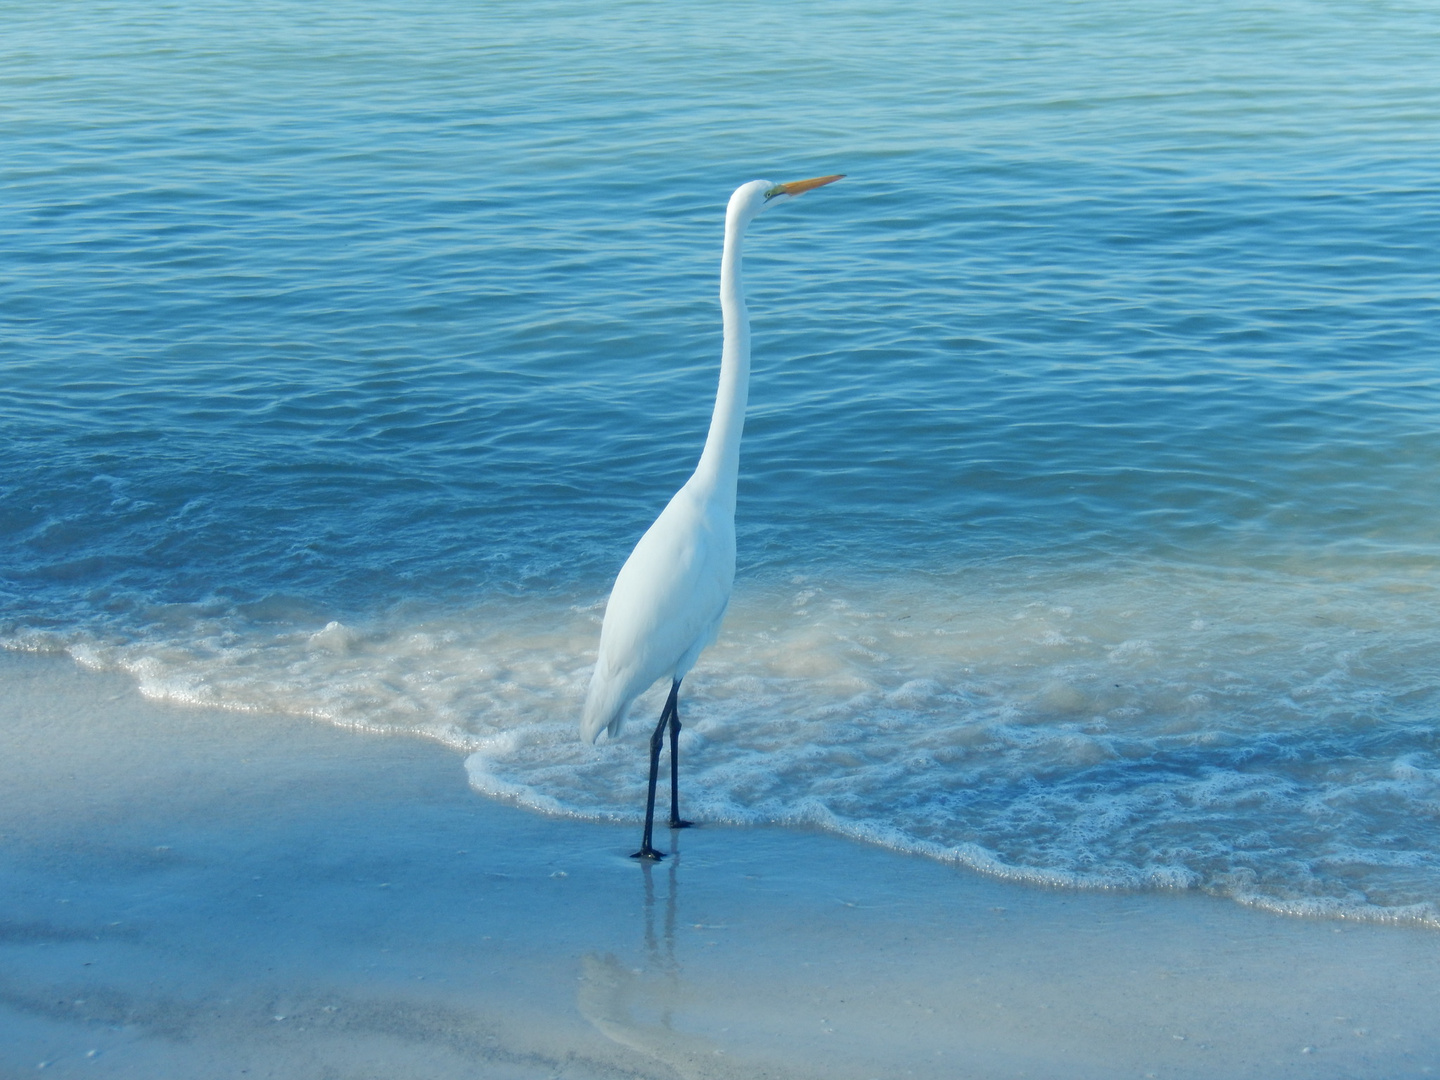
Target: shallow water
(1087,505)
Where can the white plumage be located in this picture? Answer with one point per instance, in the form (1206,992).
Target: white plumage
(666,606)
(670,596)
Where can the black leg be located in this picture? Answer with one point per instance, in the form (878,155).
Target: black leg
(675,822)
(647,849)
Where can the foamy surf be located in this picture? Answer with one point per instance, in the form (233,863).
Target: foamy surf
(1262,736)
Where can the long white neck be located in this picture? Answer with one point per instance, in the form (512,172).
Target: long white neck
(719,467)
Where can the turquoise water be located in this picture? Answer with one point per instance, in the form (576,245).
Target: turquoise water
(1087,509)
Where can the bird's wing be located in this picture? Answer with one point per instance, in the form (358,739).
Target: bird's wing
(666,606)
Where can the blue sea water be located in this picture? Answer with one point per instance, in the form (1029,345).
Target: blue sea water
(1087,517)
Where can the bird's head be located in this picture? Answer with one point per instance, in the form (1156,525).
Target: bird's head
(752,199)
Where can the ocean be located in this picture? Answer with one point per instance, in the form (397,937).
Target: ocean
(1087,513)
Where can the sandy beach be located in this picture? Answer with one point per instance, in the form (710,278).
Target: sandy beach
(193,893)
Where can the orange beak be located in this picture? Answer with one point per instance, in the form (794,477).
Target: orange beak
(799,187)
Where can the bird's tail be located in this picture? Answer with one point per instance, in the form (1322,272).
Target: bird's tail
(603,710)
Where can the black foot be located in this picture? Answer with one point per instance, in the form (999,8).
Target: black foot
(676,823)
(648,853)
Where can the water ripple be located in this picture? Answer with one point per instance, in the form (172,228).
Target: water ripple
(374,314)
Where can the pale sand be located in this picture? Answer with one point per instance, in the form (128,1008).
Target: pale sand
(193,893)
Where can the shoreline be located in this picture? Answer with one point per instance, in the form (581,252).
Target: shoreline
(194,892)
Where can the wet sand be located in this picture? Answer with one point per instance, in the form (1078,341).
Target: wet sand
(195,893)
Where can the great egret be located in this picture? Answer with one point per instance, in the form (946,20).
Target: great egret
(672,592)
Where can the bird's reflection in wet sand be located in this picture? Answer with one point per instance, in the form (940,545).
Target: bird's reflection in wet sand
(637,1007)
(661,955)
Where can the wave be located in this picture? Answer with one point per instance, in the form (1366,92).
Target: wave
(1262,736)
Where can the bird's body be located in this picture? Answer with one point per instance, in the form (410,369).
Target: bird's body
(670,596)
(666,606)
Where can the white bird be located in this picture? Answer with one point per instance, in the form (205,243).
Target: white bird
(671,594)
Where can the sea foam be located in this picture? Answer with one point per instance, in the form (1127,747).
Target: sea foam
(1264,736)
